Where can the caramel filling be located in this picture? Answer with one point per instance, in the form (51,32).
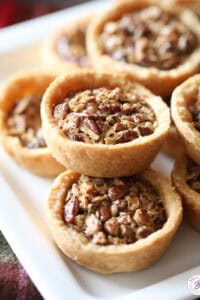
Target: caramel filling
(149,37)
(72,47)
(24,122)
(114,211)
(105,116)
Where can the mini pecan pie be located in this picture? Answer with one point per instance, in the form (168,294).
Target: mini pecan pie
(100,124)
(66,48)
(186,179)
(149,41)
(186,115)
(125,224)
(20,123)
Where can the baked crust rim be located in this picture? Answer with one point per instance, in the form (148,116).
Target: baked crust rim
(94,159)
(191,199)
(112,258)
(35,160)
(182,117)
(161,82)
(49,54)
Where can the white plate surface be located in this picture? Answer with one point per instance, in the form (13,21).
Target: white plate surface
(22,211)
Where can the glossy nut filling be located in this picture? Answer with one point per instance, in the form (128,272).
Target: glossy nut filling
(105,116)
(72,47)
(114,211)
(149,37)
(24,122)
(193,175)
(195,111)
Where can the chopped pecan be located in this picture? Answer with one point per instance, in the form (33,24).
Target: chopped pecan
(99,238)
(71,210)
(24,122)
(114,211)
(61,110)
(104,116)
(92,125)
(143,232)
(126,136)
(72,47)
(149,37)
(141,217)
(116,192)
(92,225)
(104,213)
(112,226)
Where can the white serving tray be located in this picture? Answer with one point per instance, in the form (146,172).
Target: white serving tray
(23,198)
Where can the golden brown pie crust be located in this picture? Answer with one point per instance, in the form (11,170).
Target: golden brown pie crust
(40,160)
(101,160)
(173,144)
(191,198)
(161,82)
(192,4)
(49,53)
(182,97)
(113,258)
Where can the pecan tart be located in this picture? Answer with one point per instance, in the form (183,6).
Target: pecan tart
(125,224)
(100,124)
(20,123)
(149,41)
(186,115)
(186,179)
(66,48)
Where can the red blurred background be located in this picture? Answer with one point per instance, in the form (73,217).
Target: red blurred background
(12,11)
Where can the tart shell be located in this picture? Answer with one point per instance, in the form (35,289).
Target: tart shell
(161,82)
(38,161)
(182,97)
(191,199)
(112,259)
(101,160)
(49,54)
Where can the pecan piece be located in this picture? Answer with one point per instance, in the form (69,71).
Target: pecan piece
(117,192)
(104,213)
(111,107)
(127,232)
(92,225)
(99,238)
(71,210)
(126,136)
(61,110)
(112,226)
(143,232)
(141,217)
(119,127)
(92,125)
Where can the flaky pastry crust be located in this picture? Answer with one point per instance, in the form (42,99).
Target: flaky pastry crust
(113,258)
(191,198)
(101,160)
(182,97)
(49,53)
(40,160)
(161,82)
